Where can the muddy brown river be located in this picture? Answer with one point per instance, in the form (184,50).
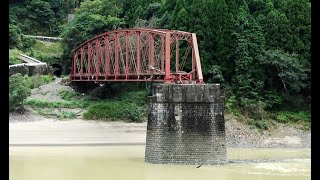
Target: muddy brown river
(127,162)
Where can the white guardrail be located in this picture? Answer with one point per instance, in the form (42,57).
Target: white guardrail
(45,38)
(30,61)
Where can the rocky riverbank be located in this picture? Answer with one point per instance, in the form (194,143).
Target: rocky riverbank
(238,134)
(279,136)
(32,128)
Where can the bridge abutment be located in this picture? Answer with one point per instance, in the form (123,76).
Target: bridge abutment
(186,125)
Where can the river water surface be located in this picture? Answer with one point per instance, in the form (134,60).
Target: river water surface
(127,162)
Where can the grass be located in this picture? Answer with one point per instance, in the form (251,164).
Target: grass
(44,111)
(260,124)
(38,80)
(288,116)
(45,51)
(112,111)
(302,118)
(138,97)
(60,115)
(66,115)
(13,56)
(103,110)
(48,48)
(36,103)
(126,102)
(67,95)
(263,119)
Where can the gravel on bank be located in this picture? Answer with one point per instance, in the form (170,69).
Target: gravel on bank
(283,136)
(35,128)
(238,134)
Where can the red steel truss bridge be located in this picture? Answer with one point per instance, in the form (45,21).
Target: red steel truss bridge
(149,55)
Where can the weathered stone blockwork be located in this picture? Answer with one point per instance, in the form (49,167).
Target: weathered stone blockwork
(186,125)
(29,70)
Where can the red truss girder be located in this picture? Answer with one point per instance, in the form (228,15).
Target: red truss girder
(154,55)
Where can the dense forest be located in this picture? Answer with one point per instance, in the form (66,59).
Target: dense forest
(259,50)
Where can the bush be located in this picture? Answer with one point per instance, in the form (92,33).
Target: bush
(66,115)
(230,104)
(253,108)
(101,92)
(130,93)
(273,100)
(14,36)
(57,104)
(18,91)
(13,56)
(114,111)
(131,115)
(288,117)
(138,97)
(27,42)
(302,118)
(44,111)
(38,80)
(67,95)
(260,124)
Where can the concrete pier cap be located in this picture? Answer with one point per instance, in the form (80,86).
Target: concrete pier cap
(186,125)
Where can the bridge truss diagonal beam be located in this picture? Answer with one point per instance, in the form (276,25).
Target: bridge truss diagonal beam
(152,55)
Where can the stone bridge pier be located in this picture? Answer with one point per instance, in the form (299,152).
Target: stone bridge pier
(186,125)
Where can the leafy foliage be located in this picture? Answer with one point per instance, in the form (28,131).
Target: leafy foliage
(66,115)
(287,70)
(259,50)
(48,52)
(92,18)
(18,91)
(67,95)
(14,36)
(13,56)
(286,116)
(56,104)
(38,80)
(40,17)
(114,111)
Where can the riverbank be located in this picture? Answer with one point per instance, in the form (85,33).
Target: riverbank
(33,129)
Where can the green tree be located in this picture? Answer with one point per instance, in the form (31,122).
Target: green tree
(180,20)
(286,79)
(249,77)
(92,18)
(299,14)
(18,91)
(134,10)
(14,36)
(277,30)
(286,71)
(41,15)
(220,39)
